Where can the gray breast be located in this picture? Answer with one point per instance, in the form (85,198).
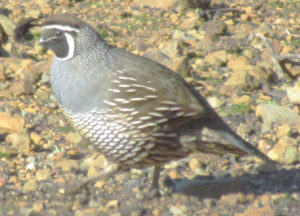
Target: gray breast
(77,89)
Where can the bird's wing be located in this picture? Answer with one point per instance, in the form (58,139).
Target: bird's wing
(152,91)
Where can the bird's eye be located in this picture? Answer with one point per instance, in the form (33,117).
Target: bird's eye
(58,33)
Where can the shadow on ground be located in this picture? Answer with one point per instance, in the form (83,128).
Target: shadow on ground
(279,181)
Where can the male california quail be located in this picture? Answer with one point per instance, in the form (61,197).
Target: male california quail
(135,111)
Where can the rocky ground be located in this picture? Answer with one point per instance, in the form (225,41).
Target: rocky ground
(239,54)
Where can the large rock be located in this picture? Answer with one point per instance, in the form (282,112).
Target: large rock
(7,24)
(67,165)
(2,73)
(284,151)
(293,93)
(11,124)
(43,174)
(242,63)
(171,56)
(216,59)
(239,79)
(266,210)
(21,87)
(213,28)
(25,73)
(73,137)
(295,70)
(272,113)
(31,185)
(20,141)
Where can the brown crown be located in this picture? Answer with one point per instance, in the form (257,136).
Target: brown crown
(63,19)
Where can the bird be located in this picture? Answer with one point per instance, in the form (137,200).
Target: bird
(135,111)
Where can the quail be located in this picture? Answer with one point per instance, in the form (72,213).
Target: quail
(135,111)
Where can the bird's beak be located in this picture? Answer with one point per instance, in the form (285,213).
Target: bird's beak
(42,41)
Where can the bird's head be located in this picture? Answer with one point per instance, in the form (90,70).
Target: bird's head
(67,36)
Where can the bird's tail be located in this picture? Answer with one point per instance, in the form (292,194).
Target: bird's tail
(214,136)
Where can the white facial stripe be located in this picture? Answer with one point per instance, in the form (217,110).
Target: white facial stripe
(61,27)
(71,45)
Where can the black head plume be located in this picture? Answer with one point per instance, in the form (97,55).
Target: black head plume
(23,27)
(3,36)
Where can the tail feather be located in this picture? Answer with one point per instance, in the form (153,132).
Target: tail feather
(214,136)
(240,143)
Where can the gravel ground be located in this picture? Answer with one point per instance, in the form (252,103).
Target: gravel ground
(238,54)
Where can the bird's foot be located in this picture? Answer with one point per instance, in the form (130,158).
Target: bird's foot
(153,193)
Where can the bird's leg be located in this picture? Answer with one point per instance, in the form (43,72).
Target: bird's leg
(155,179)
(106,173)
(154,190)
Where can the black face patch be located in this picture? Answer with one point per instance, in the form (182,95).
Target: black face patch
(57,41)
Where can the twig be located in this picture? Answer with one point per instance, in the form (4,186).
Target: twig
(295,57)
(223,10)
(260,5)
(277,58)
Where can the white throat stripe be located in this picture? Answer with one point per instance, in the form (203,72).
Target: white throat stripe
(61,27)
